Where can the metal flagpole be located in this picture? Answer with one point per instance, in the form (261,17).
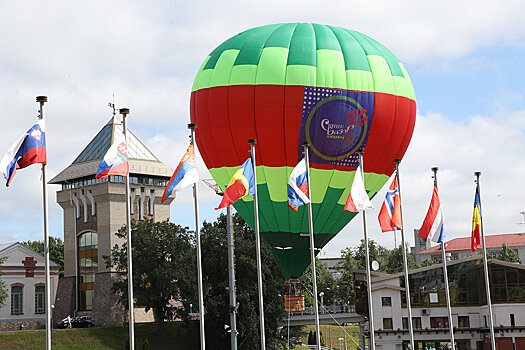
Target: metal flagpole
(445,277)
(312,248)
(41,100)
(192,127)
(405,264)
(485,263)
(231,278)
(125,112)
(371,344)
(252,143)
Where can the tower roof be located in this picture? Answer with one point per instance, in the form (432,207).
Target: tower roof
(141,160)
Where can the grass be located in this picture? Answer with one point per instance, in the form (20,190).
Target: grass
(336,332)
(176,336)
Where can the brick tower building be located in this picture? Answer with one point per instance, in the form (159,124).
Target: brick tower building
(93,211)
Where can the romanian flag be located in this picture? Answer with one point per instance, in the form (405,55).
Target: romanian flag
(475,240)
(241,184)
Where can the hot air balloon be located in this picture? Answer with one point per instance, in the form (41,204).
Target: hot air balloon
(286,84)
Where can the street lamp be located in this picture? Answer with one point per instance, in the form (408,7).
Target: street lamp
(322,303)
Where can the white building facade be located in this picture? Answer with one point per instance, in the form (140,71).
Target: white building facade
(23,274)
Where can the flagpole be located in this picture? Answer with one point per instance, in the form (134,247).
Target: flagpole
(445,277)
(252,143)
(125,112)
(231,278)
(192,127)
(405,263)
(41,100)
(485,263)
(312,247)
(371,344)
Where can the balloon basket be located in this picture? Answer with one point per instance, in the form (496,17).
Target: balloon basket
(294,299)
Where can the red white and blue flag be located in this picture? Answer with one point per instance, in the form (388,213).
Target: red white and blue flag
(185,174)
(298,186)
(358,199)
(433,224)
(115,161)
(30,148)
(390,214)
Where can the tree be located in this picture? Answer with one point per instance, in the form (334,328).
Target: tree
(393,261)
(215,270)
(325,283)
(56,250)
(3,287)
(508,254)
(163,268)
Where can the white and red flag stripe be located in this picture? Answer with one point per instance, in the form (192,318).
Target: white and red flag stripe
(358,198)
(433,224)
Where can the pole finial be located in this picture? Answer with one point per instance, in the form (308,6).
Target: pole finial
(397,161)
(124,111)
(192,126)
(477,173)
(252,141)
(306,143)
(361,151)
(41,99)
(434,169)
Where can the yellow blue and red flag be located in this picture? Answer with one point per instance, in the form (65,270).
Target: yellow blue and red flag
(475,239)
(241,184)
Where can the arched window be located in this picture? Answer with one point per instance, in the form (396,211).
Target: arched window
(17,300)
(88,267)
(40,299)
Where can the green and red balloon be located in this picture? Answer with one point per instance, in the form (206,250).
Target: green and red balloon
(284,84)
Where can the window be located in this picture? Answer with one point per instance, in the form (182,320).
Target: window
(463,322)
(387,323)
(416,322)
(386,301)
(88,267)
(512,320)
(439,322)
(40,299)
(17,300)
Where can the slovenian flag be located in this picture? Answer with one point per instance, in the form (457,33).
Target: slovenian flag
(390,214)
(30,148)
(358,198)
(433,224)
(298,186)
(185,174)
(115,162)
(241,184)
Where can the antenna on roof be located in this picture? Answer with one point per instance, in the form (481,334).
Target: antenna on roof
(112,105)
(522,213)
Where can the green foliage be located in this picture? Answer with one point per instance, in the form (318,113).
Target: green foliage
(56,250)
(427,262)
(323,342)
(325,283)
(3,287)
(393,260)
(311,339)
(215,271)
(163,253)
(508,254)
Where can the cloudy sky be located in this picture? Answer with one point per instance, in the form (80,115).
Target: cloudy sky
(465,59)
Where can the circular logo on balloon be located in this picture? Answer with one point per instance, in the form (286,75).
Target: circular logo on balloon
(336,127)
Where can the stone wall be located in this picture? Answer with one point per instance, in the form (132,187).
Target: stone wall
(106,309)
(17,325)
(65,301)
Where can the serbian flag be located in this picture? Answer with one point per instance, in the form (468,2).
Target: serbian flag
(241,184)
(475,239)
(390,214)
(298,186)
(30,148)
(115,162)
(358,198)
(433,224)
(185,174)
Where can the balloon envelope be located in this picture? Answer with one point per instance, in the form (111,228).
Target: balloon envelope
(286,84)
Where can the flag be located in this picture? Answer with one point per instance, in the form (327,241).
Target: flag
(475,239)
(115,161)
(298,186)
(185,174)
(433,224)
(241,184)
(390,214)
(358,198)
(30,148)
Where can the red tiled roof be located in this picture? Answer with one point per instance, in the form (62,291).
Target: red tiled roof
(493,241)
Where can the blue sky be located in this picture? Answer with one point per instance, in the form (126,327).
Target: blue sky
(464,58)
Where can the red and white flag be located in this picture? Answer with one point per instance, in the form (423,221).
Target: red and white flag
(433,224)
(358,198)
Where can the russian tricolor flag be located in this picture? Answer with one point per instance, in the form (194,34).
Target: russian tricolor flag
(30,148)
(433,224)
(185,174)
(298,186)
(115,161)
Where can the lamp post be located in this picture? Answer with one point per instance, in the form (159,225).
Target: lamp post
(322,301)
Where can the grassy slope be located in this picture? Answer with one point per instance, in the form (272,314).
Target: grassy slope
(175,336)
(336,332)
